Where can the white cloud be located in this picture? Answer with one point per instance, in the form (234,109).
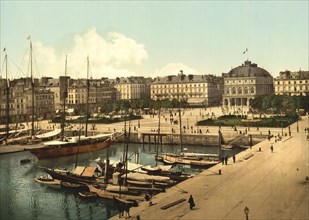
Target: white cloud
(109,57)
(174,69)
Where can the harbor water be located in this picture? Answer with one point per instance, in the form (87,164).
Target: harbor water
(23,198)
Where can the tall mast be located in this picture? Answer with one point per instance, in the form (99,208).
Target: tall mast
(7,95)
(64,96)
(32,89)
(179,111)
(87,99)
(159,139)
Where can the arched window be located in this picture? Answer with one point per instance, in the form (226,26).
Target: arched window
(233,91)
(239,90)
(246,90)
(252,90)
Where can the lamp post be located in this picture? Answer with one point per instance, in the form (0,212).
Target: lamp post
(246,211)
(282,129)
(297,128)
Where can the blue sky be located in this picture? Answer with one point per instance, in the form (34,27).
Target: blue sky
(153,38)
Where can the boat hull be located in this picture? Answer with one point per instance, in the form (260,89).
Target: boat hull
(67,150)
(171,159)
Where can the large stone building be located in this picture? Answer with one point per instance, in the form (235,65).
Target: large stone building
(100,91)
(242,84)
(197,90)
(20,102)
(292,83)
(130,88)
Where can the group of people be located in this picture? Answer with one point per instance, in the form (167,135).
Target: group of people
(225,158)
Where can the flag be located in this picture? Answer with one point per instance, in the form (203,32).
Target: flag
(29,37)
(245,51)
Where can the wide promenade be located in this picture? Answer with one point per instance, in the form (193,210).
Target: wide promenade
(271,185)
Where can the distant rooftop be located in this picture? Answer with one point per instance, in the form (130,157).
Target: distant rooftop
(182,78)
(293,75)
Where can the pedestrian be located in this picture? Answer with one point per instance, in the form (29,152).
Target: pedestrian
(191,202)
(234,158)
(225,159)
(222,160)
(272,148)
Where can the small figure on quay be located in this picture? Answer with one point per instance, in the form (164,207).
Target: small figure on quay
(234,158)
(272,148)
(222,160)
(225,159)
(191,202)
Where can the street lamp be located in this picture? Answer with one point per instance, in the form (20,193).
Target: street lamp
(246,211)
(297,123)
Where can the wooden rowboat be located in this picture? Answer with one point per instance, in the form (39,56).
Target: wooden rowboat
(87,194)
(48,181)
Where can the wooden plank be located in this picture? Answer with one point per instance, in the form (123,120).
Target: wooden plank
(172,204)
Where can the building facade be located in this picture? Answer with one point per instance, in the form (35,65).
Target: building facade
(292,83)
(197,90)
(20,102)
(242,84)
(130,88)
(100,91)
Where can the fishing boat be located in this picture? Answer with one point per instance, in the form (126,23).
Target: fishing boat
(111,195)
(193,161)
(79,175)
(76,144)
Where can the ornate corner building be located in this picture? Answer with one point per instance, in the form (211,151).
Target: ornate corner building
(292,83)
(242,84)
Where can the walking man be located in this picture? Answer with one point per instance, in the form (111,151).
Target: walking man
(191,202)
(234,158)
(272,148)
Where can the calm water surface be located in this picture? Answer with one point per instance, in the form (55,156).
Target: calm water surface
(23,198)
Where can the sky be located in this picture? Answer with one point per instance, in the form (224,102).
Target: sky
(152,38)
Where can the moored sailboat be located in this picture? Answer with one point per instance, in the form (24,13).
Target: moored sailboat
(75,144)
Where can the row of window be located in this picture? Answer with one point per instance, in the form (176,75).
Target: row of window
(239,90)
(291,82)
(239,81)
(160,86)
(291,88)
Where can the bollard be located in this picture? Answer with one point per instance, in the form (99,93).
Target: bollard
(219,171)
(260,149)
